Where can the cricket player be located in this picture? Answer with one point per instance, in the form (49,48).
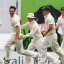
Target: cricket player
(50,35)
(60,23)
(36,42)
(15,33)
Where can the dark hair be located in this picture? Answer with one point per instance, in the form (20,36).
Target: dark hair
(12,7)
(62,9)
(46,8)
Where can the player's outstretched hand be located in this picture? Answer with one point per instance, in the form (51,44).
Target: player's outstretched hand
(21,37)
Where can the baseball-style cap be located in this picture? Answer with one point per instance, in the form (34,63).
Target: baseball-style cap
(62,9)
(46,8)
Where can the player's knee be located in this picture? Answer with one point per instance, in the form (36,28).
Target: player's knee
(20,51)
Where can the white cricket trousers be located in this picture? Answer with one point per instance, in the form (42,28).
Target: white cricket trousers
(52,59)
(52,41)
(19,48)
(1,61)
(37,44)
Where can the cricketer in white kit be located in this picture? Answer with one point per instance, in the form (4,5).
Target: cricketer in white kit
(14,40)
(50,35)
(60,23)
(36,42)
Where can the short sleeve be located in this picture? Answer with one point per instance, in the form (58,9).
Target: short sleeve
(51,20)
(17,22)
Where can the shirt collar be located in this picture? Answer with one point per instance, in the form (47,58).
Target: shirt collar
(13,16)
(32,22)
(47,15)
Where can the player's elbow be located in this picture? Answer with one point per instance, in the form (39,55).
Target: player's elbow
(51,26)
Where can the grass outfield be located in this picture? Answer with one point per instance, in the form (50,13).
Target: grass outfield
(34,5)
